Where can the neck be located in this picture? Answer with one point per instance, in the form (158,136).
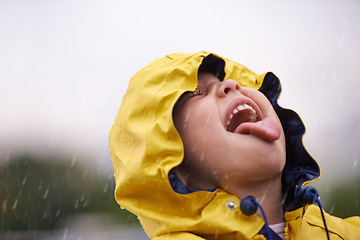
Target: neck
(269,195)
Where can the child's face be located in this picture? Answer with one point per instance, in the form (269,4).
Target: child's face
(231,135)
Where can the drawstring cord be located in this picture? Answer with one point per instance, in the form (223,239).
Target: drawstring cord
(309,195)
(323,216)
(249,206)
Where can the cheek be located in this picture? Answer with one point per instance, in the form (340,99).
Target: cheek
(200,121)
(257,96)
(200,137)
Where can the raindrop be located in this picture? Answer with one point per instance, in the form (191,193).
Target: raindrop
(40,186)
(208,118)
(73,162)
(216,234)
(76,204)
(86,202)
(24,180)
(262,199)
(193,149)
(187,117)
(355,163)
(15,204)
(57,213)
(7,157)
(342,39)
(46,193)
(4,206)
(65,234)
(82,198)
(45,214)
(105,188)
(332,209)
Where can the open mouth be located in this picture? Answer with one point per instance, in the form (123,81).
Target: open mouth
(241,114)
(247,118)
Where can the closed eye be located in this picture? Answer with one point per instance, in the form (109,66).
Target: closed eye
(196,93)
(187,95)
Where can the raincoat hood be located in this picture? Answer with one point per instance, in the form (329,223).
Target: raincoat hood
(145,147)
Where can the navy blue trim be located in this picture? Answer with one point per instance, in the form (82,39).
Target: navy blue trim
(180,187)
(214,65)
(274,236)
(300,167)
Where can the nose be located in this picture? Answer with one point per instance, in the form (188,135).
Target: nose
(228,86)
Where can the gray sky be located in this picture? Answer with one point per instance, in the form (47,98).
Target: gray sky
(64,66)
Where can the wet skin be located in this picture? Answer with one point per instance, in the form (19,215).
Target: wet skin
(229,159)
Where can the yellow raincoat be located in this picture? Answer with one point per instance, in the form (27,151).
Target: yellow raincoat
(145,146)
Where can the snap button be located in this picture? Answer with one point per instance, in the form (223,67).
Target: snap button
(231,205)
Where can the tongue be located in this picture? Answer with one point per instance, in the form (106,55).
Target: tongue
(267,129)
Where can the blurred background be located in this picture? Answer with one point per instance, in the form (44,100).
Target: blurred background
(65,65)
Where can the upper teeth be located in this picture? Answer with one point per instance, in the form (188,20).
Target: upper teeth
(252,117)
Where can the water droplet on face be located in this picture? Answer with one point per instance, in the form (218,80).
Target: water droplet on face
(202,157)
(187,117)
(193,149)
(208,118)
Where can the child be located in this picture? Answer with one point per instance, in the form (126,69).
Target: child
(202,150)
